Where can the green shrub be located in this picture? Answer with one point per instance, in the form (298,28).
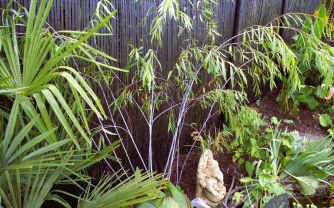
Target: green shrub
(314,58)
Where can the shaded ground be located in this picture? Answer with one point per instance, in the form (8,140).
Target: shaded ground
(306,122)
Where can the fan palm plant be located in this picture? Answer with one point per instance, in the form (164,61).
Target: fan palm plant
(134,190)
(30,66)
(42,141)
(29,162)
(35,167)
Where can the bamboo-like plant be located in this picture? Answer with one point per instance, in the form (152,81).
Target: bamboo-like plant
(314,57)
(259,52)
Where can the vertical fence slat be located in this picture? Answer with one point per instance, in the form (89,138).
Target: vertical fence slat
(256,12)
(304,6)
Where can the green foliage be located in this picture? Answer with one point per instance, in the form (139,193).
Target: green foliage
(131,191)
(308,184)
(243,136)
(249,136)
(45,135)
(307,95)
(314,59)
(318,157)
(35,64)
(259,54)
(31,164)
(326,121)
(289,162)
(275,160)
(171,197)
(43,143)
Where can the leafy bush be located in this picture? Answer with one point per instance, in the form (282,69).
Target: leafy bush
(249,136)
(277,162)
(170,197)
(290,166)
(244,137)
(314,58)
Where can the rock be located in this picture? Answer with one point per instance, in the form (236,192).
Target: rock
(199,203)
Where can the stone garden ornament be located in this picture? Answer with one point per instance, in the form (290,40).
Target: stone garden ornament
(210,180)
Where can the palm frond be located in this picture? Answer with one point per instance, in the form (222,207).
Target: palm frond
(134,190)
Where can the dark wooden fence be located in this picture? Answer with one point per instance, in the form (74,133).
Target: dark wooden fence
(232,17)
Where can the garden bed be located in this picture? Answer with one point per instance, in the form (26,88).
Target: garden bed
(306,122)
(80,128)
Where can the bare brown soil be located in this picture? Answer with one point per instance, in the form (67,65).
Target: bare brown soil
(306,122)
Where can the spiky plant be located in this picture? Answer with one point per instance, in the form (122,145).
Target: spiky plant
(45,136)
